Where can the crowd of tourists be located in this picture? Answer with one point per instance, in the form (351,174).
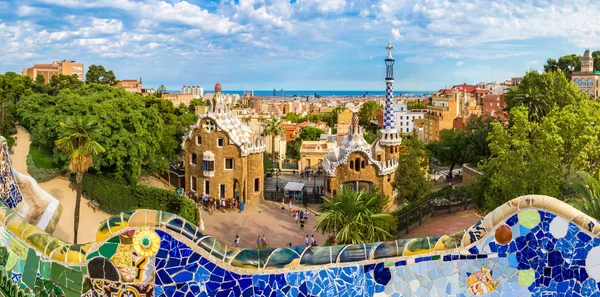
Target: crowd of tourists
(211,204)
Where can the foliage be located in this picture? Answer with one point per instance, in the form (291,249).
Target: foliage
(444,192)
(542,92)
(41,158)
(357,217)
(196,102)
(137,132)
(462,146)
(525,159)
(61,81)
(40,174)
(115,196)
(79,142)
(588,194)
(96,74)
(310,133)
(13,87)
(160,91)
(292,149)
(370,137)
(418,104)
(267,162)
(368,111)
(274,128)
(293,117)
(410,180)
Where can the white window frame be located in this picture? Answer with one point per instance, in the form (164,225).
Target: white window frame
(192,164)
(198,137)
(232,164)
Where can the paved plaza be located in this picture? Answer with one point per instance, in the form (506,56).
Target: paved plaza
(279,228)
(446,224)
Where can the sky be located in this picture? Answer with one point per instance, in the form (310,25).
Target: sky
(298,44)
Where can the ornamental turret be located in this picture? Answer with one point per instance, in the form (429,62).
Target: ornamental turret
(389,135)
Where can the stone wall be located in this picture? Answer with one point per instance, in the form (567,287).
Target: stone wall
(470,174)
(246,169)
(344,174)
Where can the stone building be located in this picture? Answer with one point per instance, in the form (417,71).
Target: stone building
(223,156)
(587,79)
(360,165)
(65,67)
(130,85)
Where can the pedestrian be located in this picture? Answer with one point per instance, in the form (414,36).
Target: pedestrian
(312,240)
(296,217)
(306,215)
(302,227)
(306,240)
(236,241)
(290,205)
(264,241)
(282,206)
(258,242)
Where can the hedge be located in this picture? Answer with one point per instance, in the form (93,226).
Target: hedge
(115,197)
(40,174)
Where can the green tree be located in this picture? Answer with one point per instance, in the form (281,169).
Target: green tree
(569,64)
(596,57)
(587,189)
(418,104)
(61,81)
(39,79)
(79,141)
(410,181)
(536,103)
(160,91)
(98,75)
(368,111)
(310,133)
(274,128)
(370,137)
(551,65)
(293,117)
(357,217)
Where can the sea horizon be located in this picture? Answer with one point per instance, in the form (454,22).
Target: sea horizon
(322,93)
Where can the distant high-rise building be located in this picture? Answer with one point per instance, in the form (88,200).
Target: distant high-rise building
(274,93)
(196,91)
(65,67)
(281,92)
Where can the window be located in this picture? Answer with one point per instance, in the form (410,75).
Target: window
(193,184)
(220,142)
(198,140)
(229,163)
(208,165)
(351,165)
(406,129)
(357,164)
(207,187)
(193,159)
(379,158)
(257,185)
(222,191)
(362,164)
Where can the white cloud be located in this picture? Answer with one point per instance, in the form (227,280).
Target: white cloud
(25,11)
(364,13)
(533,62)
(396,33)
(459,63)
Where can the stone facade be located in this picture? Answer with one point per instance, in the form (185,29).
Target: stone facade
(587,80)
(223,156)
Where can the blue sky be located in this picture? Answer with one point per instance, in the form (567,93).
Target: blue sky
(298,44)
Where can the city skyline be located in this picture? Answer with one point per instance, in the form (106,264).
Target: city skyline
(297,45)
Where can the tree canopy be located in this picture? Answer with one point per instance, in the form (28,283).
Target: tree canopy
(410,180)
(96,74)
(368,111)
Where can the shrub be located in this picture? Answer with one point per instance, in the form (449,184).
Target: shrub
(115,196)
(40,174)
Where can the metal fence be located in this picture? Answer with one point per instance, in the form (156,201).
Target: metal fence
(307,197)
(438,206)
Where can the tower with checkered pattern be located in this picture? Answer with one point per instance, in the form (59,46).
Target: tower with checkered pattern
(389,136)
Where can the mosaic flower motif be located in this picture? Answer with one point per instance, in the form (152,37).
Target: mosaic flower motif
(481,282)
(146,243)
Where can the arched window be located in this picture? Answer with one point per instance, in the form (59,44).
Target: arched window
(576,81)
(351,165)
(357,164)
(362,164)
(590,82)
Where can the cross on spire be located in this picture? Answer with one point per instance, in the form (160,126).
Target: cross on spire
(389,47)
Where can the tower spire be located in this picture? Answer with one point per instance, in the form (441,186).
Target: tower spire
(389,133)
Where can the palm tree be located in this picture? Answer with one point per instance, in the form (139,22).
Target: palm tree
(355,217)
(78,141)
(588,189)
(274,128)
(536,104)
(161,90)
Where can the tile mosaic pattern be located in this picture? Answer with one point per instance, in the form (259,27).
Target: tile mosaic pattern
(10,193)
(531,246)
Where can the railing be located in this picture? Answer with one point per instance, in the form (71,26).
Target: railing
(307,196)
(434,207)
(290,165)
